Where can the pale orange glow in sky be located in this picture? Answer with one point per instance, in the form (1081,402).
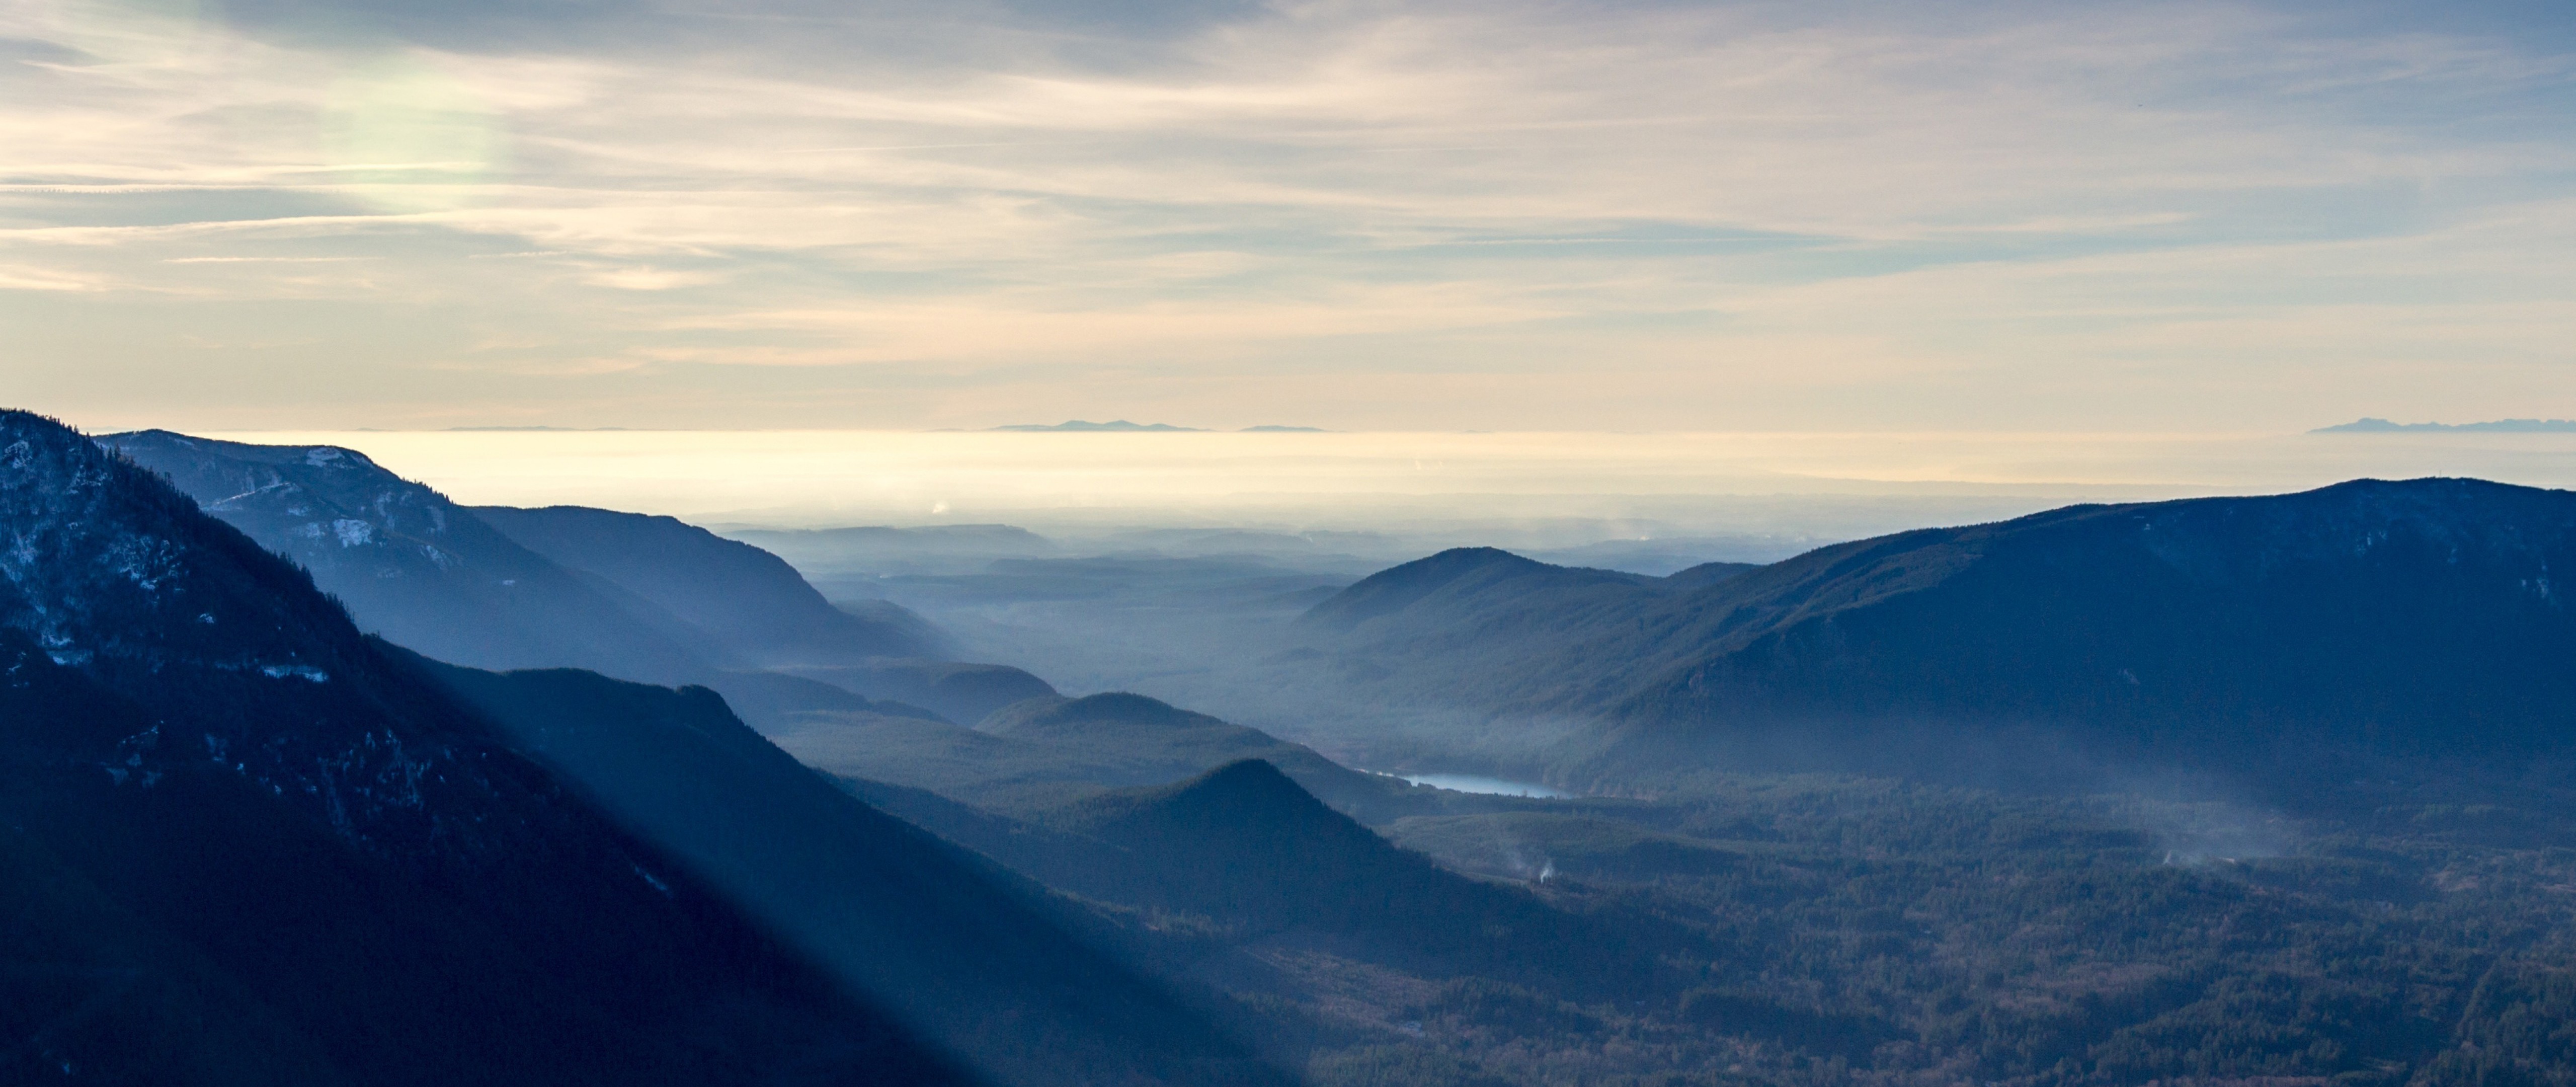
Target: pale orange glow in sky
(2218,217)
(1373,480)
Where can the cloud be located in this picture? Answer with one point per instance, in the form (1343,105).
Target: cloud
(1756,193)
(20,278)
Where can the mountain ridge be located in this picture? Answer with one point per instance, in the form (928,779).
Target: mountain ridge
(204,738)
(425,573)
(2338,621)
(962,951)
(615,593)
(751,601)
(2369,425)
(1116,426)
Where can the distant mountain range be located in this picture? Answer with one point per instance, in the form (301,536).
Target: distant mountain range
(2370,624)
(1117,425)
(1123,426)
(2499,426)
(627,595)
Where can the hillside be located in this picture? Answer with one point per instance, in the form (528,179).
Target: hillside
(867,551)
(1045,751)
(1134,722)
(2369,622)
(623,600)
(1243,845)
(736,595)
(1242,855)
(413,566)
(963,693)
(967,955)
(226,809)
(1464,576)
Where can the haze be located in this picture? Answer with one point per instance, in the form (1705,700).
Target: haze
(1288,543)
(1539,489)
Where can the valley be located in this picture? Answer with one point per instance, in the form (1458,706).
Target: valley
(1279,543)
(1946,806)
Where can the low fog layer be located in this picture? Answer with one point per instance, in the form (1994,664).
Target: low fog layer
(2102,794)
(1200,618)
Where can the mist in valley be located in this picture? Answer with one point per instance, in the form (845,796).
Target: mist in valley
(2095,793)
(1204,616)
(1599,543)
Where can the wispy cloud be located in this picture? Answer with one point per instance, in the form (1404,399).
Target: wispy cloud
(1636,197)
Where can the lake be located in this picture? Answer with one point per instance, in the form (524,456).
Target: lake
(1469,783)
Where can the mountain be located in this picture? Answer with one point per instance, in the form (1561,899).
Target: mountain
(1651,557)
(1528,845)
(1706,574)
(1245,849)
(1044,751)
(2387,624)
(750,601)
(413,566)
(1113,426)
(965,954)
(964,693)
(2498,426)
(1119,721)
(1462,574)
(245,843)
(1242,842)
(636,597)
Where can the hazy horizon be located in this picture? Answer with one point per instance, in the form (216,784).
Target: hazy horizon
(1527,489)
(1348,575)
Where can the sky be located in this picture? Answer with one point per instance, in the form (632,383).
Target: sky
(2114,218)
(1771,494)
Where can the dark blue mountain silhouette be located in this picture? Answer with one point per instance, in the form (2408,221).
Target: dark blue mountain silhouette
(2392,621)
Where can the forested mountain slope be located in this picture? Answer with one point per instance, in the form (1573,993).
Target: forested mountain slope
(435,577)
(2366,621)
(225,808)
(1045,751)
(1254,873)
(742,598)
(413,566)
(981,961)
(1464,576)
